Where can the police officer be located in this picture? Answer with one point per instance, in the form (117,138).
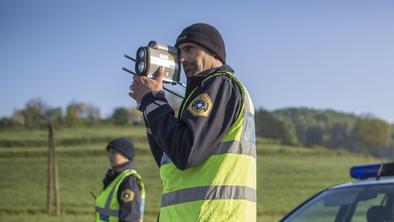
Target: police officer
(123,196)
(207,154)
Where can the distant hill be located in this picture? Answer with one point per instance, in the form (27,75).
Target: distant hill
(329,128)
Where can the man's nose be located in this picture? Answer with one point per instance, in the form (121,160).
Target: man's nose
(182,58)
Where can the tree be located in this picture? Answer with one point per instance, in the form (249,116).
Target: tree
(268,126)
(55,115)
(121,116)
(80,113)
(6,123)
(74,112)
(136,116)
(92,114)
(34,113)
(314,136)
(337,136)
(17,119)
(372,133)
(72,117)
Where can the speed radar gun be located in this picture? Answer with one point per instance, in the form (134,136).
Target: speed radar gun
(150,58)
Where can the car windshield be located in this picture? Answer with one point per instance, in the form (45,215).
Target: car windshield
(357,204)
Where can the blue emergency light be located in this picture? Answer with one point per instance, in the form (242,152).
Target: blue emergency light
(372,170)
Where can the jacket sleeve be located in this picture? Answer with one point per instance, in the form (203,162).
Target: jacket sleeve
(155,148)
(189,140)
(129,198)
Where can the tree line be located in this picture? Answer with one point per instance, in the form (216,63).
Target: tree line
(290,126)
(36,114)
(328,128)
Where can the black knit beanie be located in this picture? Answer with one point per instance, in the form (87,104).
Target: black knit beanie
(123,146)
(206,36)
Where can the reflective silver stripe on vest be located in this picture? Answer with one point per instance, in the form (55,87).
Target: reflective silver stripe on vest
(208,193)
(107,212)
(237,147)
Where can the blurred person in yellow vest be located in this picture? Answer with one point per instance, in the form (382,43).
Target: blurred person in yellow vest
(206,154)
(123,196)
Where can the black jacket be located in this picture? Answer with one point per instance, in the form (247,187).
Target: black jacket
(129,211)
(190,139)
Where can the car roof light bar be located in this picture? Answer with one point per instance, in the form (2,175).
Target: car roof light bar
(372,170)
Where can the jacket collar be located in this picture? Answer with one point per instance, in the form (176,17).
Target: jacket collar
(123,167)
(114,172)
(196,80)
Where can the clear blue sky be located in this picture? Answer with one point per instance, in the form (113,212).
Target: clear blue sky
(318,54)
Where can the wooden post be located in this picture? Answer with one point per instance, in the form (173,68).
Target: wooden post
(56,182)
(53,178)
(50,169)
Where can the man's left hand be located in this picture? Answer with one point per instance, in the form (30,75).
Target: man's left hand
(142,85)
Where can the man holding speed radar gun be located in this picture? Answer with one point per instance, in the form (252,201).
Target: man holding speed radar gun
(206,154)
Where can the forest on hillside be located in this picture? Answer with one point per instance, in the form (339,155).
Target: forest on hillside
(328,128)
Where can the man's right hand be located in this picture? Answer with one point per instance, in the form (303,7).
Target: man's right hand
(142,85)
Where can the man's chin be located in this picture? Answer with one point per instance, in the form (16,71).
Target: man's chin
(190,73)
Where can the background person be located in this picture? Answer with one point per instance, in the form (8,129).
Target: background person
(123,195)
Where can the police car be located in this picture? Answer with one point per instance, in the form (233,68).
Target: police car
(370,199)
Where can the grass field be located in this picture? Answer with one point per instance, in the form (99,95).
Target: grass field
(286,175)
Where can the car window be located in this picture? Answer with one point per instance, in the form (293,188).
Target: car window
(318,212)
(352,204)
(363,207)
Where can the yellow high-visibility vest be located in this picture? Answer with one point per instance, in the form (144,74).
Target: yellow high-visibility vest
(223,187)
(107,205)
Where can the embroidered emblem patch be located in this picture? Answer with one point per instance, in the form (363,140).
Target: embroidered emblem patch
(201,105)
(127,196)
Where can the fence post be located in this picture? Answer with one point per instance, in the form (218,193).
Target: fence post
(50,169)
(56,180)
(53,177)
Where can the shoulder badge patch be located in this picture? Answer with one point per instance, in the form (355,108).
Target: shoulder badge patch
(127,195)
(201,105)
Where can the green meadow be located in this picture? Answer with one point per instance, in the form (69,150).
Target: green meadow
(287,175)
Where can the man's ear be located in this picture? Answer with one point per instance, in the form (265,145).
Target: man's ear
(218,61)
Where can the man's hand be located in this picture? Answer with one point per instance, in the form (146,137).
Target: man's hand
(142,85)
